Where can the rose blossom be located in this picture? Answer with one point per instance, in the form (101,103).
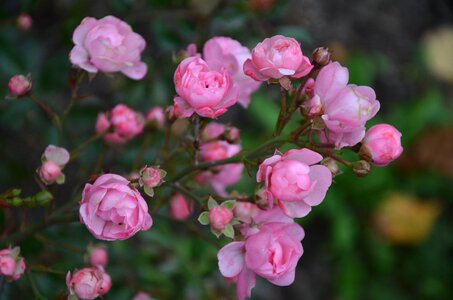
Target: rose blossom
(295,180)
(152,176)
(382,144)
(179,208)
(98,257)
(124,122)
(277,57)
(219,217)
(344,108)
(12,266)
(19,85)
(202,90)
(224,52)
(49,172)
(24,21)
(156,116)
(88,283)
(112,210)
(108,45)
(271,250)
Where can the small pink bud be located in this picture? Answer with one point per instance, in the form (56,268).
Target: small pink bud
(7,266)
(381,145)
(321,56)
(179,208)
(245,211)
(98,257)
(219,217)
(49,172)
(24,21)
(19,85)
(106,284)
(156,117)
(152,176)
(12,266)
(232,134)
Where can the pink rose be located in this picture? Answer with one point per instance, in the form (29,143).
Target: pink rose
(277,57)
(108,45)
(124,122)
(221,177)
(112,210)
(19,85)
(271,251)
(24,21)
(295,181)
(226,53)
(88,283)
(179,208)
(98,257)
(58,155)
(156,116)
(382,144)
(344,108)
(12,266)
(49,172)
(202,90)
(152,176)
(219,217)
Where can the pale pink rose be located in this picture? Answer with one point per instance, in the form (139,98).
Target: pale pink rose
(24,21)
(344,108)
(156,116)
(88,283)
(225,53)
(124,122)
(58,155)
(49,172)
(108,45)
(245,211)
(219,217)
(271,251)
(112,210)
(179,208)
(277,57)
(295,180)
(202,90)
(220,177)
(12,266)
(19,85)
(382,144)
(98,257)
(142,296)
(152,176)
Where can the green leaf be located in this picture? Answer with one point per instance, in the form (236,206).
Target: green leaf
(204,218)
(229,204)
(229,231)
(148,190)
(212,203)
(60,179)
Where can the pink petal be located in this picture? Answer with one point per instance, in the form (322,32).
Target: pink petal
(231,259)
(296,209)
(78,37)
(304,155)
(79,57)
(323,178)
(182,109)
(246,281)
(286,279)
(137,72)
(250,70)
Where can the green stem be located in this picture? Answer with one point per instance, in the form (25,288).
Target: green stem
(180,188)
(34,287)
(44,269)
(53,117)
(76,152)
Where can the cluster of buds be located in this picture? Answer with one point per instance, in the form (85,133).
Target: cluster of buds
(53,160)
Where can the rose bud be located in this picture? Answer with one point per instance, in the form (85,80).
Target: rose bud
(19,85)
(179,208)
(108,45)
(12,266)
(277,57)
(49,172)
(321,56)
(156,117)
(88,283)
(381,145)
(151,177)
(361,168)
(232,134)
(98,257)
(219,217)
(24,21)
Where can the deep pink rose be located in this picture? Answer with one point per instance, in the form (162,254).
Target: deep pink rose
(382,144)
(98,257)
(108,45)
(12,266)
(225,53)
(49,172)
(179,208)
(19,85)
(219,217)
(112,210)
(124,122)
(344,108)
(202,90)
(295,180)
(277,57)
(88,283)
(156,116)
(271,250)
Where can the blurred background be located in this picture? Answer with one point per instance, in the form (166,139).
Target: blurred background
(386,236)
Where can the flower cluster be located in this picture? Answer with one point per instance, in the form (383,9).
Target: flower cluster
(53,160)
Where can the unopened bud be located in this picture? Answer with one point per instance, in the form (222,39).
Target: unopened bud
(332,165)
(361,168)
(24,21)
(43,197)
(19,85)
(232,134)
(321,56)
